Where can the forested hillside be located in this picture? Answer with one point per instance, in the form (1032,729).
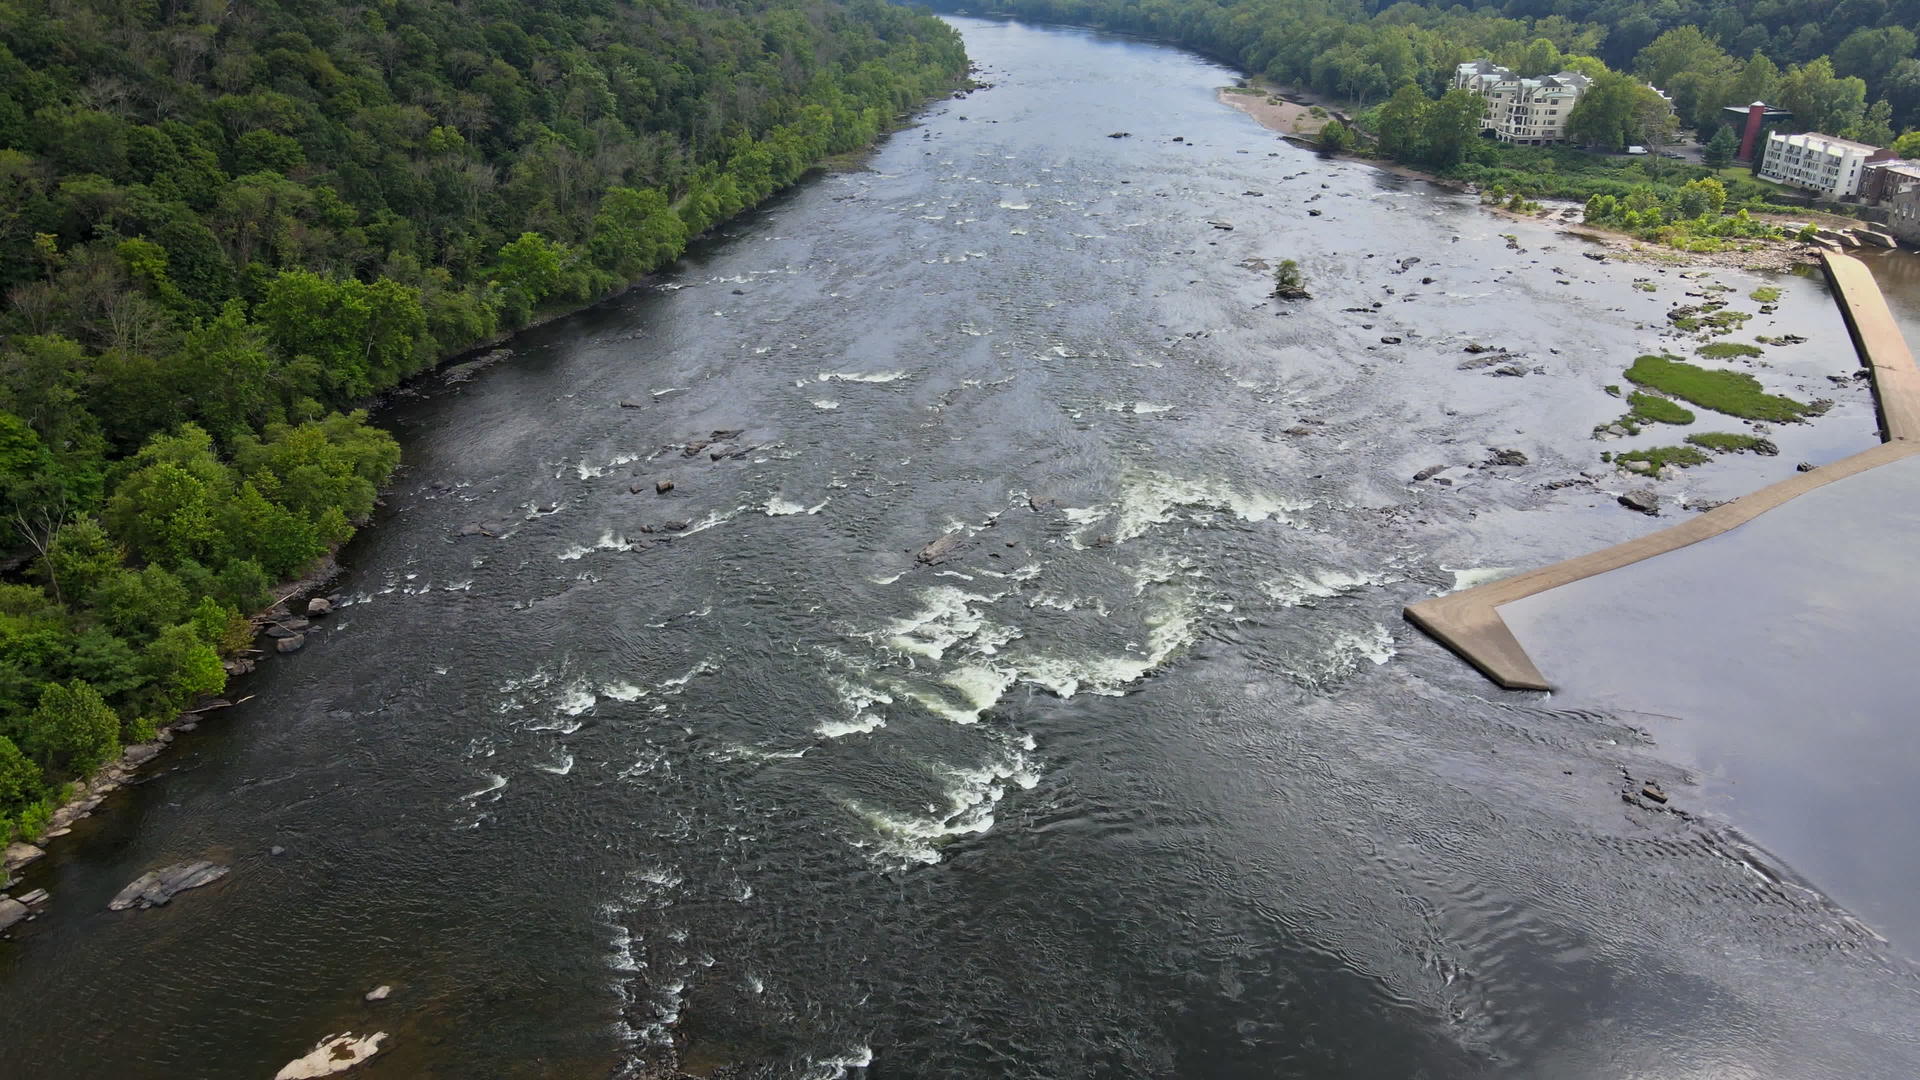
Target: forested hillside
(1845,67)
(223,223)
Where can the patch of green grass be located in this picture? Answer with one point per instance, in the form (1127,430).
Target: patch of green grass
(1723,442)
(1646,286)
(1732,392)
(1657,410)
(1613,389)
(1726,322)
(1765,294)
(1659,457)
(1726,350)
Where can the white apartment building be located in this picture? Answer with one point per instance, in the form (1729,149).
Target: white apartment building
(1819,163)
(1531,112)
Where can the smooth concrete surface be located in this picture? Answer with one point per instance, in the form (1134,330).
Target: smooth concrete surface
(1469,623)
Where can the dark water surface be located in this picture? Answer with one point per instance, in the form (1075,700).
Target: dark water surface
(1148,781)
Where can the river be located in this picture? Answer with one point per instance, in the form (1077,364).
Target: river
(1147,779)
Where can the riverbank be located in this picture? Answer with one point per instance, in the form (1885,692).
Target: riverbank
(280,629)
(1270,107)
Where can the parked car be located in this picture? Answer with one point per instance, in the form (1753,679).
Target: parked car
(1636,150)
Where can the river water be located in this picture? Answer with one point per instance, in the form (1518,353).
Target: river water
(1146,779)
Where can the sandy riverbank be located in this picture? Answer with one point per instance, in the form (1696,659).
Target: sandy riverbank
(1265,104)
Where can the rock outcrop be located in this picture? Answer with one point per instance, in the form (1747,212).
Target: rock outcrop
(156,887)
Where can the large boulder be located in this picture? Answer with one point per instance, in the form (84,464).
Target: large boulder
(18,855)
(940,550)
(319,606)
(156,887)
(11,911)
(1641,499)
(291,643)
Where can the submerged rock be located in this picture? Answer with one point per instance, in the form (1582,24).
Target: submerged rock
(319,606)
(379,993)
(289,644)
(156,887)
(1507,457)
(1429,472)
(333,1054)
(661,487)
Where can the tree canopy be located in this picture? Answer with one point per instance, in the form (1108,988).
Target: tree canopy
(223,229)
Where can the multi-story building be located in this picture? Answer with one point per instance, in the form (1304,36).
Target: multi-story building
(1531,112)
(1903,212)
(1879,180)
(1823,164)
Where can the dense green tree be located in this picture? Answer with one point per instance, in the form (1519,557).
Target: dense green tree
(1719,150)
(1615,112)
(72,732)
(19,784)
(636,231)
(1820,100)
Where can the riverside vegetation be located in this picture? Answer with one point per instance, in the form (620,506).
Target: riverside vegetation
(223,227)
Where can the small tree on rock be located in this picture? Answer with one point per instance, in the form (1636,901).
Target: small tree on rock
(1288,282)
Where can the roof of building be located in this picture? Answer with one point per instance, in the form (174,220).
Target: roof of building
(1831,144)
(1773,112)
(1482,67)
(1897,165)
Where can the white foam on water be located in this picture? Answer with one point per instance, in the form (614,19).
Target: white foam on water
(778,507)
(1469,577)
(1342,655)
(971,796)
(835,1068)
(713,518)
(608,541)
(861,724)
(494,783)
(949,616)
(623,691)
(1149,500)
(1303,590)
(860,376)
(1138,408)
(825,403)
(1170,629)
(704,667)
(1016,232)
(981,685)
(561,766)
(888,580)
(1007,204)
(665,390)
